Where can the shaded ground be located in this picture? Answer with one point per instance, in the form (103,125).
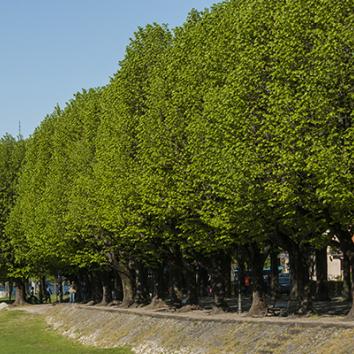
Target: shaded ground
(335,307)
(203,315)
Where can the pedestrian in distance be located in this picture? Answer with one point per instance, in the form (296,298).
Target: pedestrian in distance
(72,293)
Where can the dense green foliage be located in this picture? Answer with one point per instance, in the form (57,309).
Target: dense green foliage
(11,158)
(231,132)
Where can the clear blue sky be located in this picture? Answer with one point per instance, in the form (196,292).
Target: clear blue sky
(50,49)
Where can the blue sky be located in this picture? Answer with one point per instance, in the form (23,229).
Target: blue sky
(50,49)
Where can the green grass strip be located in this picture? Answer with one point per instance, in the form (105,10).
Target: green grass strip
(25,333)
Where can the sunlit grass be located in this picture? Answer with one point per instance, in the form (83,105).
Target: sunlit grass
(24,333)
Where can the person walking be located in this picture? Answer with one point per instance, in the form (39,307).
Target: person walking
(72,293)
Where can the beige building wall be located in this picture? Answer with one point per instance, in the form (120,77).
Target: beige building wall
(334,267)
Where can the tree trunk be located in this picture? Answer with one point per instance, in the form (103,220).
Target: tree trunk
(11,288)
(127,283)
(346,243)
(350,315)
(274,276)
(191,285)
(202,281)
(160,288)
(41,289)
(176,281)
(300,300)
(321,275)
(106,289)
(85,288)
(142,293)
(259,303)
(20,292)
(118,289)
(95,286)
(60,290)
(227,275)
(346,292)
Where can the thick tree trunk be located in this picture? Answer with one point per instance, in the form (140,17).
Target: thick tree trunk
(300,300)
(160,287)
(85,288)
(11,288)
(293,301)
(259,303)
(306,300)
(227,275)
(191,285)
(106,289)
(142,293)
(118,289)
(106,295)
(20,292)
(176,282)
(321,275)
(184,282)
(41,289)
(96,288)
(160,290)
(274,276)
(128,281)
(202,281)
(350,315)
(346,242)
(346,292)
(60,291)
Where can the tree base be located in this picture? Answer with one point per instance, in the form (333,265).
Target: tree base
(20,303)
(156,304)
(187,308)
(350,315)
(259,306)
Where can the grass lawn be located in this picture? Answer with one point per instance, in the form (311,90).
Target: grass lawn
(24,333)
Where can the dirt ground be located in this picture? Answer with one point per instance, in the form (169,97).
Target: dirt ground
(196,332)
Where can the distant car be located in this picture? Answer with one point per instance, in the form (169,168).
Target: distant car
(284,283)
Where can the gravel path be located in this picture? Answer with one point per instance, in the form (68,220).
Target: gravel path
(35,309)
(204,315)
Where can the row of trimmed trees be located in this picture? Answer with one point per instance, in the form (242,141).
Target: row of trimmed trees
(230,136)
